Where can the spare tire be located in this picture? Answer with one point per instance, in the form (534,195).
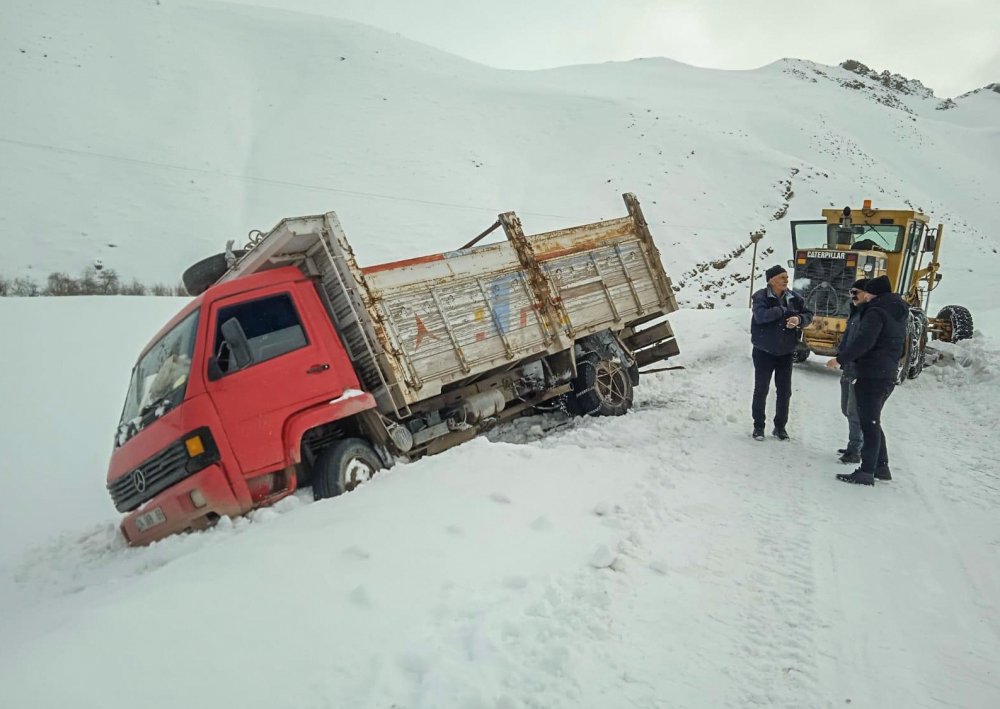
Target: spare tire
(961,322)
(199,276)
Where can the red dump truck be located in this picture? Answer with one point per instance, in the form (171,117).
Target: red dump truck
(294,366)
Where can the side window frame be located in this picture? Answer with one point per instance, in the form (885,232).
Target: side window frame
(219,343)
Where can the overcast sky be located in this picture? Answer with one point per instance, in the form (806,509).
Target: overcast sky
(952,46)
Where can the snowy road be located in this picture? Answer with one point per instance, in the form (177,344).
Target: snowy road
(661,559)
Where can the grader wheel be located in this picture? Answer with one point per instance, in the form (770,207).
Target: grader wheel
(961,323)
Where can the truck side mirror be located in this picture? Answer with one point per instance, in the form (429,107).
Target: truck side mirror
(239,346)
(930,241)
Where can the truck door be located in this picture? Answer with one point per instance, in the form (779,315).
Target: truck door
(289,371)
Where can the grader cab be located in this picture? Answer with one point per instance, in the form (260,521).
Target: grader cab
(831,253)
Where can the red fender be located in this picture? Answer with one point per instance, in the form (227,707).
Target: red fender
(350,403)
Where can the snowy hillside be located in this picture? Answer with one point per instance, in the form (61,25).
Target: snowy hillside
(147,134)
(660,559)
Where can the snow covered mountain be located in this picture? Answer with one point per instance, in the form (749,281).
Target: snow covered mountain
(145,135)
(658,559)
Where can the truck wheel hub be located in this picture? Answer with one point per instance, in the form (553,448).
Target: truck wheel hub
(357,472)
(611,382)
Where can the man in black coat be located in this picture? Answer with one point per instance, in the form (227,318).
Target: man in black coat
(849,374)
(875,351)
(778,318)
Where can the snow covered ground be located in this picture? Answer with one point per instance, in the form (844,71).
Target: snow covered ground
(661,559)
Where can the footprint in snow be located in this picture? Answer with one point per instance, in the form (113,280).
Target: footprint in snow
(500,497)
(602,557)
(542,524)
(659,566)
(356,552)
(515,582)
(359,597)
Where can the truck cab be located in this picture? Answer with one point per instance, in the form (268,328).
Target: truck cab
(203,434)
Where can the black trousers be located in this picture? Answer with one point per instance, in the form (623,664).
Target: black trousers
(872,395)
(765,365)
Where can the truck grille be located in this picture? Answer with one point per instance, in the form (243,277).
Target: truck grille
(825,285)
(150,478)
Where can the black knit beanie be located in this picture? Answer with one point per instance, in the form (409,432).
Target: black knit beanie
(774,271)
(878,286)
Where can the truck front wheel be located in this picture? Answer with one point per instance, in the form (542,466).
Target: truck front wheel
(342,467)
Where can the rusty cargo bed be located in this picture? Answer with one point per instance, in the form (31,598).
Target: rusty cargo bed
(416,326)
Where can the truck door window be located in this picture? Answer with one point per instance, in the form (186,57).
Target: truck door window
(271,325)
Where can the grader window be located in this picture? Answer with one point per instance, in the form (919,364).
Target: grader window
(809,235)
(871,237)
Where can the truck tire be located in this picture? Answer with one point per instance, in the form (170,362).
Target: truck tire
(342,467)
(601,388)
(199,276)
(961,322)
(801,353)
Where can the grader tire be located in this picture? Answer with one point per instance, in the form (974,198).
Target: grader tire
(961,322)
(916,334)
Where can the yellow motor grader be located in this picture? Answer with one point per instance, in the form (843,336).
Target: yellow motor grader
(831,253)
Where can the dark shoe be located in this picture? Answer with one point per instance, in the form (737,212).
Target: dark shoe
(758,434)
(780,433)
(842,450)
(848,458)
(858,477)
(883,473)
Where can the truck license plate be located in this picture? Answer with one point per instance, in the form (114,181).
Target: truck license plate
(150,519)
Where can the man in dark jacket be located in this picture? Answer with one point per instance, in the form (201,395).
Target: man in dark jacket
(848,375)
(875,351)
(778,318)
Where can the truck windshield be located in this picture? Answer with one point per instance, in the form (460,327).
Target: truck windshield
(159,378)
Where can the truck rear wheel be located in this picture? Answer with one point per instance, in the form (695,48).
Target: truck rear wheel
(342,467)
(961,322)
(602,388)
